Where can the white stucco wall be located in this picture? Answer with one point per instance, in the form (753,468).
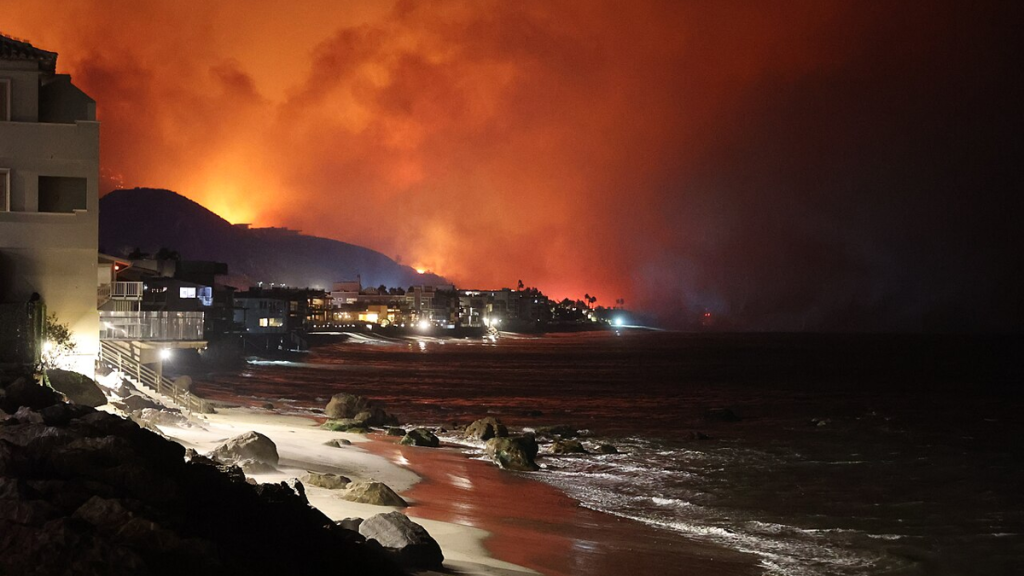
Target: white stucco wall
(52,254)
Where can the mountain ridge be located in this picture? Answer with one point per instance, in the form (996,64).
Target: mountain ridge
(153,218)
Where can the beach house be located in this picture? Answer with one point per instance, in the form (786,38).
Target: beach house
(49,203)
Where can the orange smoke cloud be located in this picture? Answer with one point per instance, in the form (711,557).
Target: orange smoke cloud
(486,141)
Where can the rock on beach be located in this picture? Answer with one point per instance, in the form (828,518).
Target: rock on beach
(485,429)
(409,542)
(514,453)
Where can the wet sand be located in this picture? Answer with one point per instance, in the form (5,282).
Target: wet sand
(536,526)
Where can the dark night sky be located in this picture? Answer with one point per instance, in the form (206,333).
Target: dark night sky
(795,165)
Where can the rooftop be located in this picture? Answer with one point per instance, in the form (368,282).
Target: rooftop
(13,49)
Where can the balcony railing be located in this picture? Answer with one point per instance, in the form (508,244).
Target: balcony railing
(160,326)
(126,291)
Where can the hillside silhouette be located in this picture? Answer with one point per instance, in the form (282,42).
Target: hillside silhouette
(150,219)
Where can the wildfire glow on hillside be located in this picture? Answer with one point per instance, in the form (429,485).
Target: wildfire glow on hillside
(757,160)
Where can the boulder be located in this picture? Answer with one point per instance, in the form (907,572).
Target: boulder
(328,481)
(26,392)
(513,453)
(77,388)
(393,431)
(83,490)
(420,437)
(375,493)
(343,405)
(485,429)
(568,447)
(409,542)
(375,416)
(338,442)
(350,523)
(558,431)
(250,466)
(607,449)
(697,435)
(345,425)
(248,446)
(135,402)
(148,417)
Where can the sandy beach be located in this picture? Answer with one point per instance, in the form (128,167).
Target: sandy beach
(301,446)
(487,521)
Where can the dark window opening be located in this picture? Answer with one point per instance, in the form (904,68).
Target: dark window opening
(60,194)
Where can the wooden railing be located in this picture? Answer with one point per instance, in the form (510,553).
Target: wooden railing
(125,358)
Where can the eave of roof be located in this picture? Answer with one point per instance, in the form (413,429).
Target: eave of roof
(13,49)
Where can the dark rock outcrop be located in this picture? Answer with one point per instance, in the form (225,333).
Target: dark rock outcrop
(485,429)
(375,493)
(409,542)
(338,442)
(568,447)
(344,405)
(85,492)
(77,388)
(514,453)
(607,449)
(420,437)
(251,446)
(351,410)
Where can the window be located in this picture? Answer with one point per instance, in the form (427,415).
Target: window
(60,194)
(5,99)
(264,322)
(5,190)
(187,292)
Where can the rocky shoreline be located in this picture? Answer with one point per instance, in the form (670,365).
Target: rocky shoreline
(84,491)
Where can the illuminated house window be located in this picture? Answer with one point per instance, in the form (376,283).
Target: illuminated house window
(264,322)
(187,292)
(5,99)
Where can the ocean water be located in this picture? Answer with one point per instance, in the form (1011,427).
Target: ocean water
(891,455)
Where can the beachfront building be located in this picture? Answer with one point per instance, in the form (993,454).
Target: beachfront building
(49,200)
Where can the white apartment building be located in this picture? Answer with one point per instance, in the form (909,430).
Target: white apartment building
(49,193)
